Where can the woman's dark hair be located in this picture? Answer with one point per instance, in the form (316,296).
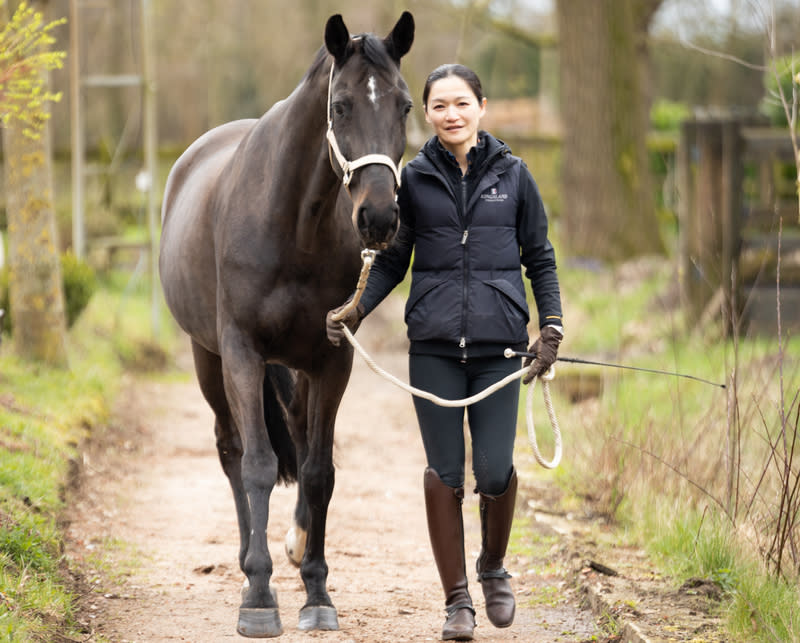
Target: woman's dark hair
(453,69)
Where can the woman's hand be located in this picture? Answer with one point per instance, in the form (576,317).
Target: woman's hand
(546,350)
(335,328)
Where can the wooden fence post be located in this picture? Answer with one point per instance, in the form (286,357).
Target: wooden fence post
(731,212)
(709,171)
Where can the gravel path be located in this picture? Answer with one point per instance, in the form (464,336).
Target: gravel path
(154,530)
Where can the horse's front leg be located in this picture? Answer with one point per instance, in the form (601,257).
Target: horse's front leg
(243,372)
(317,479)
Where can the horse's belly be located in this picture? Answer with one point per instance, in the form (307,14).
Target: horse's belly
(187,263)
(190,294)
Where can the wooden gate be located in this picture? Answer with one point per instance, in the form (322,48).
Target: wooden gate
(737,189)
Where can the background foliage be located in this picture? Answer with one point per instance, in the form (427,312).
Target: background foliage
(654,449)
(25,58)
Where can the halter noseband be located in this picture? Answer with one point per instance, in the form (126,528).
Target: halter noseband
(348,167)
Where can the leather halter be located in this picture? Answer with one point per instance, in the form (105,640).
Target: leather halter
(348,167)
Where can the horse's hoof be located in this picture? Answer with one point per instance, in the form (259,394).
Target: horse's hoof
(318,617)
(295,544)
(259,622)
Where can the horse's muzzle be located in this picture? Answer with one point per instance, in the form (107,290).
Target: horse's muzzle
(376,226)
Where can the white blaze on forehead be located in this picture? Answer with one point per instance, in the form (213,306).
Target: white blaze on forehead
(373,95)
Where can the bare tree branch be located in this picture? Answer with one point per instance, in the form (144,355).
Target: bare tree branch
(724,56)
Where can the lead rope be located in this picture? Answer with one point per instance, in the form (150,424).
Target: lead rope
(548,404)
(368,257)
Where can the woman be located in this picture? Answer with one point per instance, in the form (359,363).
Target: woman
(472,215)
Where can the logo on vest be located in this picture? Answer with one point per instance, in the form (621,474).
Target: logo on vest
(493,196)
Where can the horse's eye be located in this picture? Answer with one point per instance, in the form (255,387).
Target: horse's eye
(407,108)
(338,109)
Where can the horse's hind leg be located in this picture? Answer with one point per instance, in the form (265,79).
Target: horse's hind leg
(229,445)
(298,411)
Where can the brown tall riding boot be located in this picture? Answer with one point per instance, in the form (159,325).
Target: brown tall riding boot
(446,530)
(497,513)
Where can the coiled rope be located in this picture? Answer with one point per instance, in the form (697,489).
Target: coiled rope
(548,403)
(368,257)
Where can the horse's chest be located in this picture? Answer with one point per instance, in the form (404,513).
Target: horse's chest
(289,298)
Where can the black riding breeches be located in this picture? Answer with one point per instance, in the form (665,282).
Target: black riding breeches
(492,421)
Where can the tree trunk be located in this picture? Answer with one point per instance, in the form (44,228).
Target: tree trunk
(609,206)
(35,285)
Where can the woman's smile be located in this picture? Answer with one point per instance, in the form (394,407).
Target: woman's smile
(455,113)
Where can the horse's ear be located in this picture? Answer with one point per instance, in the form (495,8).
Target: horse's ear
(398,42)
(337,36)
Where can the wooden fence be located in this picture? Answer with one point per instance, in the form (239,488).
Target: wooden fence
(737,190)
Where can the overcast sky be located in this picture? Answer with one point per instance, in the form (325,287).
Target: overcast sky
(689,17)
(722,6)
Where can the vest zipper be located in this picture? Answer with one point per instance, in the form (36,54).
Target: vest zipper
(465,258)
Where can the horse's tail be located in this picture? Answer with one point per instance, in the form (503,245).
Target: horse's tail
(279,384)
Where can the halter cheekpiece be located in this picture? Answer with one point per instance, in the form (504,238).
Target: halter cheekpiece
(348,167)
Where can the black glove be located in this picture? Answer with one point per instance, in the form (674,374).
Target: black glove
(546,350)
(335,329)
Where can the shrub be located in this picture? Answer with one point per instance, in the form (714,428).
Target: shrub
(771,105)
(667,116)
(4,291)
(80,284)
(79,281)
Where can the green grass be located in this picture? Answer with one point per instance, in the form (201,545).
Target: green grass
(113,561)
(45,415)
(763,609)
(758,607)
(651,451)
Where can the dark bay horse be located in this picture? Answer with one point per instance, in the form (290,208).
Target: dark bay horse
(263,221)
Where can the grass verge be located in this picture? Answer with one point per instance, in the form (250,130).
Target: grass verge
(667,460)
(45,416)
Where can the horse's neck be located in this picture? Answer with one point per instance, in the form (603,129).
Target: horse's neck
(315,185)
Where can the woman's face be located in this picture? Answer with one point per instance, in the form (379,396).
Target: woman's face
(454,112)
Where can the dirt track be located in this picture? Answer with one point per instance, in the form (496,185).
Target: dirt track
(154,493)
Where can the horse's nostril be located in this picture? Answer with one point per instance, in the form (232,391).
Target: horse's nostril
(395,225)
(362,219)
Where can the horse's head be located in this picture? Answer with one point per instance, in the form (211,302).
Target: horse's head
(368,102)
